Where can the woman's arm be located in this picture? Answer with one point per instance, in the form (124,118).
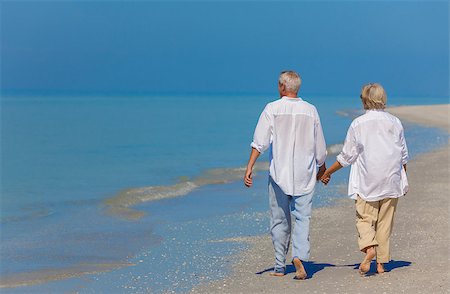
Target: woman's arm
(327,174)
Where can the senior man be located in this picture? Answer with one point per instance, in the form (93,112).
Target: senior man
(291,127)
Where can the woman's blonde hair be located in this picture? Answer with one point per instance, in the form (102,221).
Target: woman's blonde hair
(373,96)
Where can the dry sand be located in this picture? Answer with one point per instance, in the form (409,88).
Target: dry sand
(419,243)
(429,115)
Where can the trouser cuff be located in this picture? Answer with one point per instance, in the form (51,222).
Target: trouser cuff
(383,260)
(365,245)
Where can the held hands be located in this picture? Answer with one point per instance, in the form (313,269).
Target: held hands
(324,175)
(325,178)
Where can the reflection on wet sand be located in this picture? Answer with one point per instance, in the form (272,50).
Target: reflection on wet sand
(48,275)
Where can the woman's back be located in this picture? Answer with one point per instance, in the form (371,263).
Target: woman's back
(376,148)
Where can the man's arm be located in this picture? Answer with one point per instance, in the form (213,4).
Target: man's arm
(261,141)
(251,162)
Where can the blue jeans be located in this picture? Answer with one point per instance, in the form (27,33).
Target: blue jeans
(281,208)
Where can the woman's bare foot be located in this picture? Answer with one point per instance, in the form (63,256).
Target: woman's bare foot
(380,268)
(300,272)
(364,267)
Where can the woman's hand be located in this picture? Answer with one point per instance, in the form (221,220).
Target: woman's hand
(326,177)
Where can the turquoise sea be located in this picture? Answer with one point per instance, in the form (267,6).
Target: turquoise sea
(137,194)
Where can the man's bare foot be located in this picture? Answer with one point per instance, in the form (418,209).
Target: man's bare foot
(364,267)
(380,268)
(277,272)
(300,272)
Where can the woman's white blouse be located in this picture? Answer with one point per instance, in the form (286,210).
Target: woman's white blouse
(291,126)
(375,147)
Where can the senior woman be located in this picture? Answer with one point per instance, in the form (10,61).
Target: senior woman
(375,147)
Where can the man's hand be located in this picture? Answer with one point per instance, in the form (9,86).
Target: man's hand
(321,172)
(326,177)
(251,162)
(248,178)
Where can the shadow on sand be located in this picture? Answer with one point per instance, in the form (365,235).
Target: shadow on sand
(311,267)
(392,265)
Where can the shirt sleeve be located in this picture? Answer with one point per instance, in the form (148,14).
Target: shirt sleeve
(263,132)
(351,149)
(321,147)
(405,155)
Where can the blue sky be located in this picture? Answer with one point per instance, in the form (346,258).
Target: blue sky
(224,47)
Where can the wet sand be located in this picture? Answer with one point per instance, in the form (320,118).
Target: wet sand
(419,243)
(50,275)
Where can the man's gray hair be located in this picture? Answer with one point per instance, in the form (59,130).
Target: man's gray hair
(291,80)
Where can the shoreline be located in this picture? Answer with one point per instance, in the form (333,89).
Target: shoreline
(216,267)
(420,255)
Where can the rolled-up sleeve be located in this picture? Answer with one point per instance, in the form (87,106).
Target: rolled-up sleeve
(405,155)
(351,149)
(263,131)
(321,147)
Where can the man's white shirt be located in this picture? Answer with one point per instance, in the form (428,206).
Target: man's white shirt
(375,147)
(292,128)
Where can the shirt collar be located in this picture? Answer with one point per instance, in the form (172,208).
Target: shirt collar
(292,98)
(374,110)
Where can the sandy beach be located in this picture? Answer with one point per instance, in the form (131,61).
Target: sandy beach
(419,244)
(428,115)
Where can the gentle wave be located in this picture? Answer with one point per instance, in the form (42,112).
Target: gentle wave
(121,204)
(335,149)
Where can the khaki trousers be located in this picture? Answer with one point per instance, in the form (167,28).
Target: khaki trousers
(374,221)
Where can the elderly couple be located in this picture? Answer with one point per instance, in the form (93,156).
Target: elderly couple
(375,148)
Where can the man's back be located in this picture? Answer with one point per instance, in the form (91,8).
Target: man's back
(292,127)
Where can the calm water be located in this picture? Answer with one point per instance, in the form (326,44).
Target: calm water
(66,159)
